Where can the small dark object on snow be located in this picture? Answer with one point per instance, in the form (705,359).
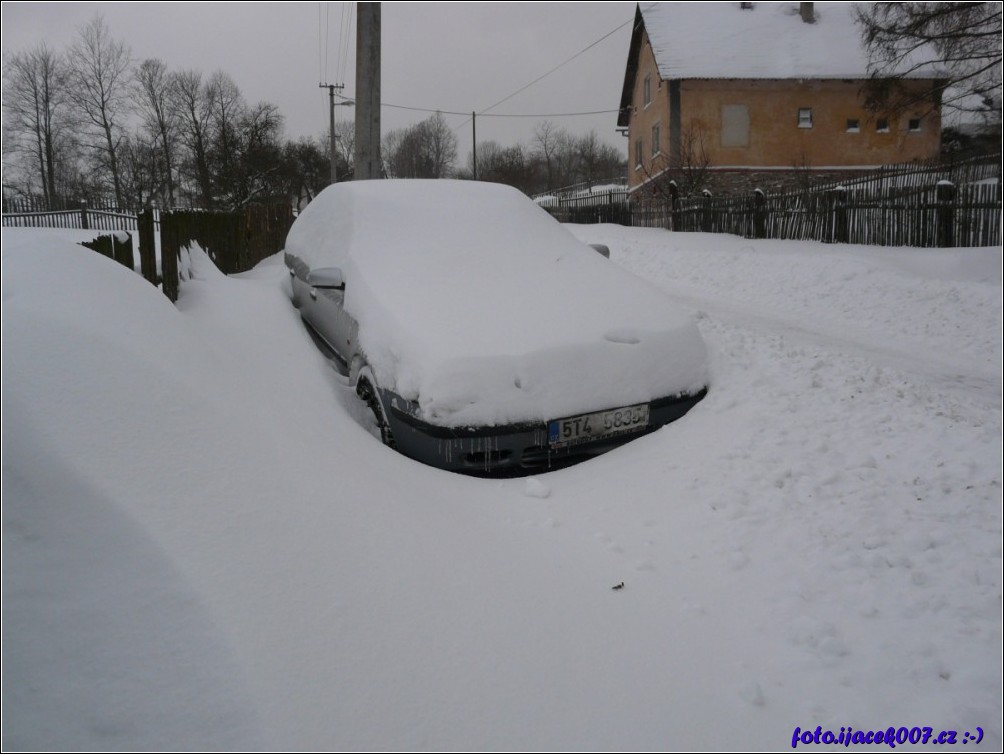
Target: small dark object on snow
(618,586)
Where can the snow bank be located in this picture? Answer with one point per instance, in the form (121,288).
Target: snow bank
(477,304)
(204,549)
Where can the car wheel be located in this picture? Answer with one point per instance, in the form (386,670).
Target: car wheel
(368,393)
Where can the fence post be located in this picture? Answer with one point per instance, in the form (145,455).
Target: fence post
(674,206)
(169,254)
(83,216)
(946,214)
(122,251)
(147,245)
(706,223)
(841,231)
(759,214)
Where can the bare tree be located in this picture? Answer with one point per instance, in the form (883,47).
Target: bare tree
(141,168)
(546,139)
(597,160)
(688,177)
(960,41)
(99,66)
(191,100)
(305,170)
(35,98)
(390,143)
(257,170)
(510,165)
(566,158)
(227,107)
(160,119)
(441,143)
(408,156)
(424,150)
(345,148)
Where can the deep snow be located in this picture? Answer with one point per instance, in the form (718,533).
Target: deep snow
(204,546)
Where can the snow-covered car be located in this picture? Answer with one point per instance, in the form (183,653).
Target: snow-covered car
(483,335)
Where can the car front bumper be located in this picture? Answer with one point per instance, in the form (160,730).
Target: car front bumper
(512,449)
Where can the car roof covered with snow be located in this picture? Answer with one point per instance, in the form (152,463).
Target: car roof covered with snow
(466,291)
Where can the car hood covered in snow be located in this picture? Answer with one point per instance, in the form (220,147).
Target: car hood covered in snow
(477,304)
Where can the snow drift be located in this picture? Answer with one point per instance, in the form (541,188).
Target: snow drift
(204,549)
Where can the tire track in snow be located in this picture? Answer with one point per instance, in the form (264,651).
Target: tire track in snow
(944,371)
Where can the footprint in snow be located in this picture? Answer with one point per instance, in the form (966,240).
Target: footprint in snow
(536,488)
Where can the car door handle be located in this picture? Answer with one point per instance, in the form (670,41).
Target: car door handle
(313,293)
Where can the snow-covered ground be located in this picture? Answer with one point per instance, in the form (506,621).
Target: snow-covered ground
(205,547)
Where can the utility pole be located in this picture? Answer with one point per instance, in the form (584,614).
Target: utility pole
(474,142)
(368,163)
(332,152)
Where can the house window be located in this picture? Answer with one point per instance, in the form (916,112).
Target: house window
(882,125)
(637,154)
(735,126)
(805,117)
(656,142)
(853,126)
(914,125)
(647,90)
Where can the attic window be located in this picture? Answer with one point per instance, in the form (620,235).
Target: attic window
(914,125)
(805,117)
(647,90)
(882,125)
(853,126)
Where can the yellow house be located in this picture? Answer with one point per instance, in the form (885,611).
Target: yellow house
(749,91)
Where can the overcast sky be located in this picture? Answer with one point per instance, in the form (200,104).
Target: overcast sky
(447,56)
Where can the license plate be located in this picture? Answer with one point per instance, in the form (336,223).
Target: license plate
(598,425)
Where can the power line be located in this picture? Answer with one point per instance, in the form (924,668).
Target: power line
(327,36)
(487,115)
(560,65)
(543,115)
(341,35)
(344,38)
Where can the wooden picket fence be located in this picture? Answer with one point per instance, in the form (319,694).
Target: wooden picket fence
(940,202)
(117,246)
(942,215)
(235,241)
(84,218)
(609,207)
(924,173)
(27,204)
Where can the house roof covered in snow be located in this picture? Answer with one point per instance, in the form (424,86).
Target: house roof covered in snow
(751,41)
(769,40)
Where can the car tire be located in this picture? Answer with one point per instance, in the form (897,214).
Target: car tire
(367,392)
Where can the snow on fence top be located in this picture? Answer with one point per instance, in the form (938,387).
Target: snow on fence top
(580,196)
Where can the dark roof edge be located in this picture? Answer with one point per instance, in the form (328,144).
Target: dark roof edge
(631,70)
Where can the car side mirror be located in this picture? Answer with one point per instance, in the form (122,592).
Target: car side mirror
(601,248)
(326,277)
